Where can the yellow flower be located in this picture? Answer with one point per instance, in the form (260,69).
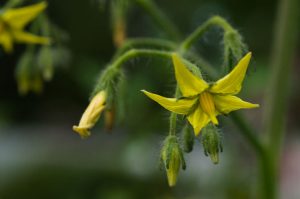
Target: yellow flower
(202,101)
(91,114)
(12,23)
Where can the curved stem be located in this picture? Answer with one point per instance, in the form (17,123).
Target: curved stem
(117,63)
(160,18)
(214,21)
(160,44)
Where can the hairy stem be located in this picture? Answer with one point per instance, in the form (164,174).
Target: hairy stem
(144,43)
(134,53)
(198,33)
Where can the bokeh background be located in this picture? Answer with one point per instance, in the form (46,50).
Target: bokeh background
(41,157)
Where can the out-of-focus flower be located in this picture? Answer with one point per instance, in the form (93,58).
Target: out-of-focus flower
(202,101)
(13,22)
(28,75)
(91,114)
(45,62)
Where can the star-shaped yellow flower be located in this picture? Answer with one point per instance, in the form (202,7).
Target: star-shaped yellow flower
(12,23)
(201,102)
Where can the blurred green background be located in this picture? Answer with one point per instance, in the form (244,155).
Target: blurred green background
(41,157)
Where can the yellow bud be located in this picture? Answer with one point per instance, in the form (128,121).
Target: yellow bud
(91,114)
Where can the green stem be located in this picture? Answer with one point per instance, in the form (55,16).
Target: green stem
(268,179)
(283,53)
(160,44)
(160,18)
(286,33)
(214,21)
(117,63)
(173,116)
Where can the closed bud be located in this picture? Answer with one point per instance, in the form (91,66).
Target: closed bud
(27,74)
(45,62)
(188,138)
(172,159)
(212,142)
(91,114)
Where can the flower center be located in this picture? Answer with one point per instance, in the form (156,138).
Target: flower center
(208,106)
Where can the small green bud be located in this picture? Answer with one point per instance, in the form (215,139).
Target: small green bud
(212,142)
(172,158)
(188,138)
(27,74)
(45,62)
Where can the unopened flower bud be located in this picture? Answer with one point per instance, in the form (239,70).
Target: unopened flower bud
(212,143)
(91,114)
(27,74)
(172,158)
(188,138)
(45,62)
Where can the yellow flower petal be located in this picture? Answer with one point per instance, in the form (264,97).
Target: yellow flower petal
(198,119)
(189,84)
(228,103)
(179,106)
(25,37)
(232,83)
(20,17)
(6,41)
(91,114)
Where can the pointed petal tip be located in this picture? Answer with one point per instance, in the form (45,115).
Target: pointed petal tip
(197,131)
(248,55)
(145,92)
(256,105)
(214,120)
